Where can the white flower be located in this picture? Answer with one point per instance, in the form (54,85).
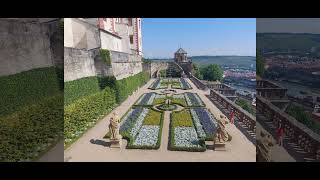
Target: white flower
(186,137)
(148,136)
(139,122)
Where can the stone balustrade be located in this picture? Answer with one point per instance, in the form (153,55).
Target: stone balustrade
(297,132)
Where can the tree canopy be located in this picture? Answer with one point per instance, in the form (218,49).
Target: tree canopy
(212,72)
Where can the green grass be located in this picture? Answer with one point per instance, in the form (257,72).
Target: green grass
(182,118)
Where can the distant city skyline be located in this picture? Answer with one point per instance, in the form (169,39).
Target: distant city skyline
(288,25)
(199,36)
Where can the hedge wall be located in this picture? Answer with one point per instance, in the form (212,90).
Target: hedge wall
(89,99)
(85,112)
(76,89)
(31,131)
(26,88)
(127,86)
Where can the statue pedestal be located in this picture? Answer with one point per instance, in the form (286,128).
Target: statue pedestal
(116,143)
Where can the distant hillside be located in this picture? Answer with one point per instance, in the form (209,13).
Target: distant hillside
(243,61)
(288,42)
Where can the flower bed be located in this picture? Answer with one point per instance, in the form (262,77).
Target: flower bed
(184,84)
(146,99)
(207,121)
(142,128)
(159,99)
(159,84)
(148,136)
(183,135)
(193,100)
(155,85)
(179,99)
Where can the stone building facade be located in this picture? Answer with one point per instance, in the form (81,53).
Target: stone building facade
(121,36)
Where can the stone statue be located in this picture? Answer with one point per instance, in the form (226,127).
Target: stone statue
(264,145)
(114,127)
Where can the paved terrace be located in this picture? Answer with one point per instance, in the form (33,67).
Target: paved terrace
(93,147)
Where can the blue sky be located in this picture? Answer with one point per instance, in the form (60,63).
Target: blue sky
(161,37)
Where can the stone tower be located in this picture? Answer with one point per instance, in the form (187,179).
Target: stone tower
(180,56)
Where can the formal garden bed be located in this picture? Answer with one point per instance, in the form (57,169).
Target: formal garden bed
(142,127)
(176,83)
(159,84)
(150,99)
(183,134)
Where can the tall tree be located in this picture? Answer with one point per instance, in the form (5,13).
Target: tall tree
(212,72)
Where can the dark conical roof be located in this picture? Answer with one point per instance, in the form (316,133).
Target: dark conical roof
(181,51)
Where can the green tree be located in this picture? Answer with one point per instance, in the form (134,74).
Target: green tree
(212,72)
(260,65)
(196,71)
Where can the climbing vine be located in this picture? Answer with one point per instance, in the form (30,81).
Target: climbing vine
(105,55)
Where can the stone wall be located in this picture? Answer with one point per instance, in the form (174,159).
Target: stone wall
(78,64)
(24,46)
(80,34)
(156,66)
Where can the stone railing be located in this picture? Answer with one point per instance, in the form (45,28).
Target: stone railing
(297,132)
(243,116)
(198,82)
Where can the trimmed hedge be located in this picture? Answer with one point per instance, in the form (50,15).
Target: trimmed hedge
(77,89)
(127,86)
(130,139)
(30,132)
(27,87)
(172,146)
(89,99)
(85,112)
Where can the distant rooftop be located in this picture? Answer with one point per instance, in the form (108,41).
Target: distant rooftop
(181,51)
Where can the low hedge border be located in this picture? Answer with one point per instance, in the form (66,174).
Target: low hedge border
(157,146)
(172,147)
